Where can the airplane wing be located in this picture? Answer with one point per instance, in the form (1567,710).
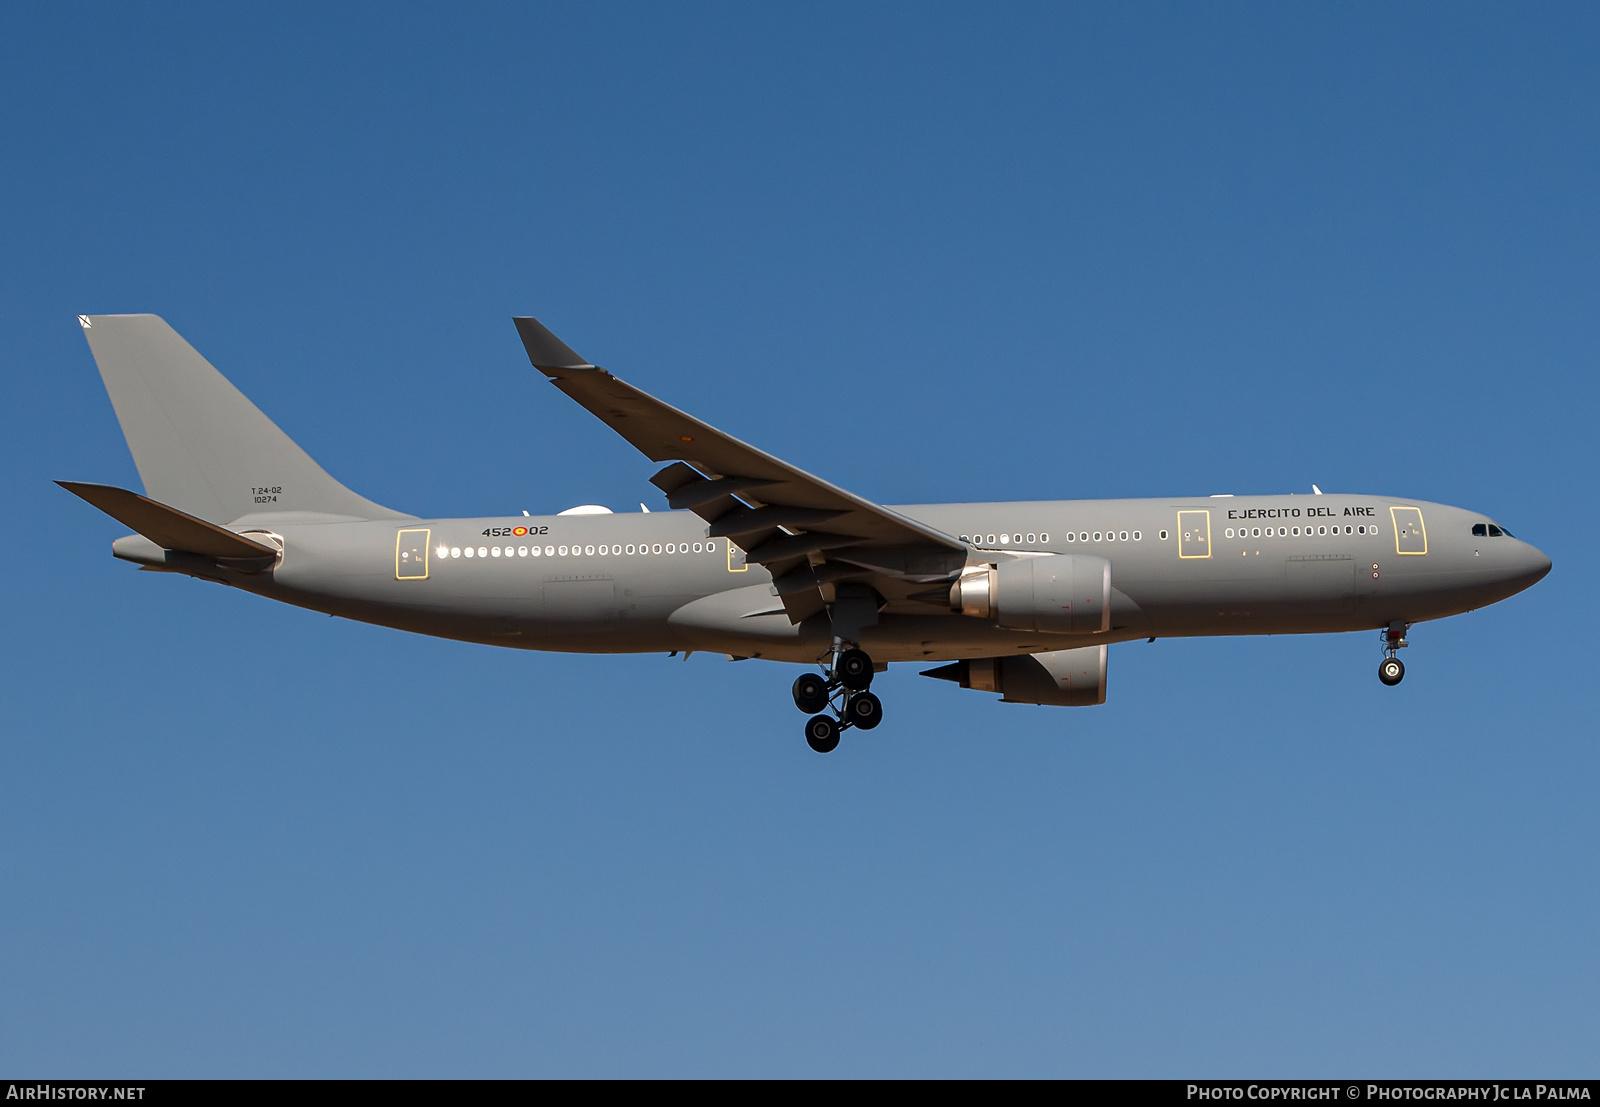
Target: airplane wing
(811,535)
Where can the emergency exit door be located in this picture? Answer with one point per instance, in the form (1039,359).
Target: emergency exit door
(1410,536)
(411,555)
(1194,534)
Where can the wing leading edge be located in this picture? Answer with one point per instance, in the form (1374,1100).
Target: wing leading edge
(811,535)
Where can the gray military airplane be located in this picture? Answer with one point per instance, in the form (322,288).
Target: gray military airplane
(759,559)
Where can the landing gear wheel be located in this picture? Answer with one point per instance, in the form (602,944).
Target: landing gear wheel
(863,710)
(853,669)
(810,693)
(1391,672)
(822,733)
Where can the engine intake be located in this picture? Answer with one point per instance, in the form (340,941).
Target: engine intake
(1056,593)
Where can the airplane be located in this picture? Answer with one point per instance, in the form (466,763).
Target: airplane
(758,559)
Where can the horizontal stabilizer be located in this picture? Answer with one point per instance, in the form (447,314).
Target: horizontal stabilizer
(166,526)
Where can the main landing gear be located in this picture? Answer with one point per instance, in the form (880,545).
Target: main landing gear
(844,690)
(1392,670)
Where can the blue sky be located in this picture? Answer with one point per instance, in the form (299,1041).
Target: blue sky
(931,252)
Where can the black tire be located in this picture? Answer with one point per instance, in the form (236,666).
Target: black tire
(810,693)
(864,710)
(822,733)
(854,670)
(1392,671)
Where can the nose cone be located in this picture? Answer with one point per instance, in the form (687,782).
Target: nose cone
(1530,568)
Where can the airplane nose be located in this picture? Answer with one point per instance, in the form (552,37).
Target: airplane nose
(1541,563)
(1532,567)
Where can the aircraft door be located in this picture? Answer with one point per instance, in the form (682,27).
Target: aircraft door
(1410,536)
(411,555)
(1194,534)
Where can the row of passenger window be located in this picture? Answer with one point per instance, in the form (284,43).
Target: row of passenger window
(1297,532)
(994,542)
(576,551)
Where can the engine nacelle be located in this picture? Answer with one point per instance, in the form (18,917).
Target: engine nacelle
(1060,678)
(1056,593)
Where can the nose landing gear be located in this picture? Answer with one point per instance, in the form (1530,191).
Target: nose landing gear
(843,689)
(1392,670)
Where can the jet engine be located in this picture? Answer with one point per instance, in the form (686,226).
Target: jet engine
(1060,678)
(1056,593)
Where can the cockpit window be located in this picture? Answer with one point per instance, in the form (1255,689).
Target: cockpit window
(1494,531)
(1506,532)
(1480,530)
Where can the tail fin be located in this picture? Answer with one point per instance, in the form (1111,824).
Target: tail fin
(199,444)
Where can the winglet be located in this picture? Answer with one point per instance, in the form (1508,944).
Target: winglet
(545,350)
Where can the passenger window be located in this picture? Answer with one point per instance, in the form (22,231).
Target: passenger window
(1494,531)
(1479,530)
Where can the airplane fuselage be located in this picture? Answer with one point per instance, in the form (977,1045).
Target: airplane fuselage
(648,582)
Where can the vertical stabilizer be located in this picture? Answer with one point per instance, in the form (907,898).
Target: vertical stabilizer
(199,444)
